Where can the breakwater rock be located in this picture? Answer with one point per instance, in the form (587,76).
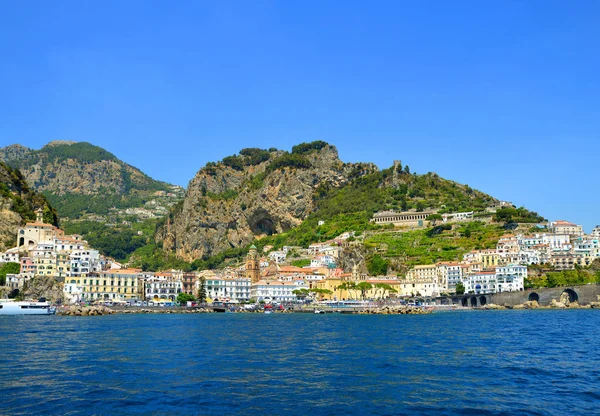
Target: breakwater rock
(163,310)
(85,311)
(395,310)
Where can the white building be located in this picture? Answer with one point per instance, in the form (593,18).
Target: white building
(480,282)
(10,256)
(277,256)
(511,278)
(529,257)
(14,281)
(227,288)
(322,260)
(274,290)
(450,273)
(161,287)
(458,216)
(73,291)
(565,227)
(83,262)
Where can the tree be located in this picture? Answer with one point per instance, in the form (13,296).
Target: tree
(433,218)
(202,291)
(377,265)
(406,169)
(460,289)
(8,268)
(300,293)
(364,287)
(420,206)
(185,297)
(320,292)
(382,288)
(349,287)
(506,214)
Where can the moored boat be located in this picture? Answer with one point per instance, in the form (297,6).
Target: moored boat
(26,308)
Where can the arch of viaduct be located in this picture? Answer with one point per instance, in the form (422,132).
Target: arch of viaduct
(582,294)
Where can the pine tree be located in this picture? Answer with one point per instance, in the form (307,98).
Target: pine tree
(202,291)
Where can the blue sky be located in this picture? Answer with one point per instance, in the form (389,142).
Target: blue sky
(501,95)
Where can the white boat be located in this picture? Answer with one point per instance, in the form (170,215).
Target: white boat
(26,308)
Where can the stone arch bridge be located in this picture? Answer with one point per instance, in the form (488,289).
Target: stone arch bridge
(583,294)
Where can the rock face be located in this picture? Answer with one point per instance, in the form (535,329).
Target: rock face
(18,203)
(228,206)
(44,287)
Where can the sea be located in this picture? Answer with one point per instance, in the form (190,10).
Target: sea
(531,362)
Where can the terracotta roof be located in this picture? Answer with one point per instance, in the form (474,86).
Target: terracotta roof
(39,224)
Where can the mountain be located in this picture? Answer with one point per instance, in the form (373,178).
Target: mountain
(81,179)
(297,198)
(255,193)
(18,203)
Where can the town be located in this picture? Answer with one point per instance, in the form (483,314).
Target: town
(43,250)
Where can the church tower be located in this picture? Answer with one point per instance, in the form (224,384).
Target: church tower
(253,265)
(39,215)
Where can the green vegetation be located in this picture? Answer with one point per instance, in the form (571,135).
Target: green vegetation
(183,298)
(301,263)
(202,290)
(377,265)
(247,157)
(116,242)
(522,215)
(460,289)
(153,258)
(561,278)
(421,247)
(220,260)
(75,206)
(255,155)
(8,268)
(25,201)
(82,152)
(303,148)
(289,160)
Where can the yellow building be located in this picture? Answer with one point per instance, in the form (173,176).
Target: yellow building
(118,284)
(490,259)
(338,285)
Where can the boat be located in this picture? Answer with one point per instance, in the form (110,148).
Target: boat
(319,311)
(27,308)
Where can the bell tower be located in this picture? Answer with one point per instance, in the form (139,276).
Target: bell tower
(39,215)
(253,265)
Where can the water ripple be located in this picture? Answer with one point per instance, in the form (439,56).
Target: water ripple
(493,363)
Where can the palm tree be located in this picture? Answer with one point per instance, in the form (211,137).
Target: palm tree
(349,287)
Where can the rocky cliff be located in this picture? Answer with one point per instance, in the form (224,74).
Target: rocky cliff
(80,178)
(18,203)
(253,194)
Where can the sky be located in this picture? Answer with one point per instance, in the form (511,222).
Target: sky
(500,95)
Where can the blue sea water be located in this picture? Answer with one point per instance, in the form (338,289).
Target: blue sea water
(482,363)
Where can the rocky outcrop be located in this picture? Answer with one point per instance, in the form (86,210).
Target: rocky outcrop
(492,307)
(229,204)
(43,287)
